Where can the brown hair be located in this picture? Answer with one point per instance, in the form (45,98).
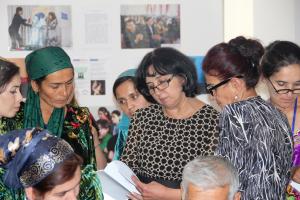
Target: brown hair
(238,57)
(62,174)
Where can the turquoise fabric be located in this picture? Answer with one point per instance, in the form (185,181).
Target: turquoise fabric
(123,127)
(129,72)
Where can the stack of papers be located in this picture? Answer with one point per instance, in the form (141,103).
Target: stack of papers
(116,181)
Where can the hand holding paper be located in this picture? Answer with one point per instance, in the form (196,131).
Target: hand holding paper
(116,180)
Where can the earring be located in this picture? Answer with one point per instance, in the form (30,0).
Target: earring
(236,98)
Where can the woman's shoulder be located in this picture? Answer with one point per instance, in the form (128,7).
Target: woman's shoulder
(152,109)
(208,108)
(255,107)
(77,114)
(244,105)
(7,193)
(78,109)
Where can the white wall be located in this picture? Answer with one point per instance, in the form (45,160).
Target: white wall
(274,20)
(266,20)
(201,28)
(238,18)
(297,21)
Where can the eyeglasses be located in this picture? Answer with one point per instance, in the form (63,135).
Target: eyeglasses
(285,91)
(161,85)
(210,88)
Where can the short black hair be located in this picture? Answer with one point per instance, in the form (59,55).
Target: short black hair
(104,124)
(7,71)
(18,9)
(277,55)
(166,60)
(116,112)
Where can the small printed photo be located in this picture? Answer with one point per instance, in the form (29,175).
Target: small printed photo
(97,87)
(150,25)
(32,27)
(80,72)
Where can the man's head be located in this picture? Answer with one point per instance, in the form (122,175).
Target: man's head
(19,10)
(130,26)
(210,177)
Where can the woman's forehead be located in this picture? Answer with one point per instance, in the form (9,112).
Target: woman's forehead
(61,76)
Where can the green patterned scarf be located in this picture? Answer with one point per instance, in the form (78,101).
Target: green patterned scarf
(34,117)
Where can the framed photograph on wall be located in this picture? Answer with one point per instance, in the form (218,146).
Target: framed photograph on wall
(150,25)
(31,27)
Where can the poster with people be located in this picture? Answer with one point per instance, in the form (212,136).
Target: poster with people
(32,27)
(150,25)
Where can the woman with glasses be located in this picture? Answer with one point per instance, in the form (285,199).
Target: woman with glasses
(254,135)
(280,68)
(174,130)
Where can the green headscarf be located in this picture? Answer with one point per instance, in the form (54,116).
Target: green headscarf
(41,63)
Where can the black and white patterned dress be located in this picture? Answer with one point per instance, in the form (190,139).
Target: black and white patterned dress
(158,147)
(256,138)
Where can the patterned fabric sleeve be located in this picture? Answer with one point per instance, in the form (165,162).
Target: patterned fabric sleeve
(90,185)
(233,144)
(255,137)
(9,194)
(77,133)
(129,155)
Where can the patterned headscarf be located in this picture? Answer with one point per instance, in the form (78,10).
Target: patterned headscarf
(41,63)
(29,155)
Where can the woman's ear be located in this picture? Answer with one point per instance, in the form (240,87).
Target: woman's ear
(183,79)
(29,193)
(34,86)
(237,84)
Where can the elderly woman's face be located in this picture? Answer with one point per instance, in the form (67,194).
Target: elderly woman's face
(57,89)
(11,98)
(167,89)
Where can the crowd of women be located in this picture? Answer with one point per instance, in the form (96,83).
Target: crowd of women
(49,147)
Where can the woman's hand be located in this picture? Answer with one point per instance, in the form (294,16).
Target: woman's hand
(153,191)
(296,175)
